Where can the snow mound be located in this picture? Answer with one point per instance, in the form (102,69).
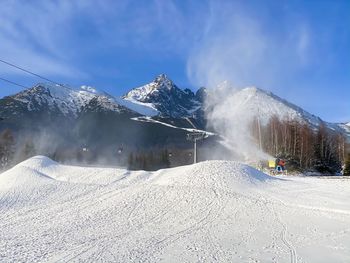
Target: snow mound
(38,162)
(214,211)
(22,176)
(33,170)
(210,174)
(228,175)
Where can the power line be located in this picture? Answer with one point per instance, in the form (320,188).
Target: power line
(29,72)
(14,83)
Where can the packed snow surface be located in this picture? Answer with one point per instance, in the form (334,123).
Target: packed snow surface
(214,211)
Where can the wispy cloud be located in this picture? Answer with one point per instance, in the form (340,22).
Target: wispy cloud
(239,47)
(53,37)
(32,35)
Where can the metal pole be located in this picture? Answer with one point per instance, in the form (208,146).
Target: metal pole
(195,151)
(259,129)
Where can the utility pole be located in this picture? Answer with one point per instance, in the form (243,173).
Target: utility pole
(259,130)
(194,137)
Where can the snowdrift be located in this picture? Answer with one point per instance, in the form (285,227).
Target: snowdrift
(33,170)
(224,174)
(22,176)
(214,211)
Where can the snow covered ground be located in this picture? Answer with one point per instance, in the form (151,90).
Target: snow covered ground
(215,211)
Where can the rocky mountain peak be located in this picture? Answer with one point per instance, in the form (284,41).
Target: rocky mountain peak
(162,80)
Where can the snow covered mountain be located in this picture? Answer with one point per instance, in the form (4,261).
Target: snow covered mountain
(61,100)
(346,128)
(160,99)
(164,96)
(60,120)
(253,102)
(263,104)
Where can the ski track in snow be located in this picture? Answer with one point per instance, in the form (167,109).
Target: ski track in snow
(213,211)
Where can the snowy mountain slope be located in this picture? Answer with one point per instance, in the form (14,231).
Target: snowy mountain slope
(59,99)
(253,102)
(346,126)
(162,94)
(146,109)
(346,129)
(216,211)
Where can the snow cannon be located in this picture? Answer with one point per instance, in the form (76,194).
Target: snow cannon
(272,164)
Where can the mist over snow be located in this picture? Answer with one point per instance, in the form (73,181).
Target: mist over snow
(237,50)
(240,48)
(227,115)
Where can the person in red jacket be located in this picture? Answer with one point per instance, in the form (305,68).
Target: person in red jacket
(280,164)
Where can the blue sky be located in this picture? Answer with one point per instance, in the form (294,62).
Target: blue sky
(299,50)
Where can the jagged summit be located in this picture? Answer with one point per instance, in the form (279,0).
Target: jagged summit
(163,95)
(163,81)
(202,94)
(143,93)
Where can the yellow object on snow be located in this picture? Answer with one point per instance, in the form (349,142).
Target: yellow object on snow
(272,163)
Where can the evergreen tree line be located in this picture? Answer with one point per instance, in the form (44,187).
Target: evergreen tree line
(150,160)
(304,147)
(7,148)
(347,165)
(11,151)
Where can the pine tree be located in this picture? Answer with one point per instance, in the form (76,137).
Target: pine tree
(7,145)
(347,166)
(131,161)
(27,151)
(165,158)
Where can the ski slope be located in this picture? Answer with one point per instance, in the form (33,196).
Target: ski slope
(214,211)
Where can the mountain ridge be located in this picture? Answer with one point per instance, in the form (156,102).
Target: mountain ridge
(161,98)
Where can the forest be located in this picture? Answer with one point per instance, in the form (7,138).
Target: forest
(305,148)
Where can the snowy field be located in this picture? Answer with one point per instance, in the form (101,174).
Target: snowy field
(213,211)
